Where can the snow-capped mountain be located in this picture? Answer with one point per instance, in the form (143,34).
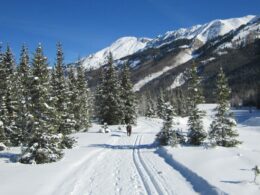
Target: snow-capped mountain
(203,33)
(122,47)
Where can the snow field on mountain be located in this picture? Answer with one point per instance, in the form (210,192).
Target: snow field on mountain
(113,163)
(182,57)
(120,48)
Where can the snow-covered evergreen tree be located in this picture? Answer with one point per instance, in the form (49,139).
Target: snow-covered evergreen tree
(44,144)
(3,89)
(150,108)
(128,97)
(11,98)
(168,134)
(161,109)
(60,94)
(222,128)
(99,95)
(82,115)
(72,95)
(23,119)
(111,111)
(2,134)
(196,133)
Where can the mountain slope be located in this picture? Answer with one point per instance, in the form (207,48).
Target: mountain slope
(122,47)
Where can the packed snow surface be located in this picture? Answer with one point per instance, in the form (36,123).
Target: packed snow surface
(112,163)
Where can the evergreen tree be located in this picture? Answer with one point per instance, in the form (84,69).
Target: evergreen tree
(222,128)
(23,86)
(168,134)
(43,144)
(11,98)
(128,97)
(150,108)
(99,95)
(60,92)
(161,109)
(2,133)
(181,103)
(72,96)
(196,133)
(82,115)
(111,112)
(3,89)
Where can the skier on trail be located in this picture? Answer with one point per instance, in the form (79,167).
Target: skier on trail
(129,130)
(256,172)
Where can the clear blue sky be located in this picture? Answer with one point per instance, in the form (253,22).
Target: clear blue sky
(85,26)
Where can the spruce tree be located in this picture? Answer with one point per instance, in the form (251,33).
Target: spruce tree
(82,115)
(3,89)
(168,134)
(60,94)
(99,95)
(128,97)
(150,108)
(11,98)
(2,134)
(72,95)
(111,112)
(196,133)
(23,88)
(161,109)
(44,144)
(222,128)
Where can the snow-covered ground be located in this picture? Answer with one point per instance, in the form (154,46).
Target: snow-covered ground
(113,163)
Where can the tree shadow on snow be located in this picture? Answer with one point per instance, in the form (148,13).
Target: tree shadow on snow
(10,157)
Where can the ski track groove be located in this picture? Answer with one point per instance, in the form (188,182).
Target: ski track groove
(152,185)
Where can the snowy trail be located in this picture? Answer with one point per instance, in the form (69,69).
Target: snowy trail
(115,164)
(125,165)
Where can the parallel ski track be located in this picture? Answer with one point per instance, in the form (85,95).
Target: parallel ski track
(151,184)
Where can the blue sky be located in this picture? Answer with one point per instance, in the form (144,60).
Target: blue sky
(86,26)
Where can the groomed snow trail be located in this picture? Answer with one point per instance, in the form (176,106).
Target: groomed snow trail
(125,165)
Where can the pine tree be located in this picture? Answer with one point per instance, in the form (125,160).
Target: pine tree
(99,95)
(128,97)
(60,93)
(168,134)
(222,128)
(150,108)
(161,109)
(82,115)
(111,112)
(3,88)
(44,144)
(72,95)
(196,133)
(11,98)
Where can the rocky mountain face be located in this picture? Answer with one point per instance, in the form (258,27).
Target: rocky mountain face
(163,62)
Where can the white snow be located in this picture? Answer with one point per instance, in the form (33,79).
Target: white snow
(113,163)
(183,57)
(203,32)
(178,81)
(122,47)
(243,37)
(208,60)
